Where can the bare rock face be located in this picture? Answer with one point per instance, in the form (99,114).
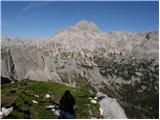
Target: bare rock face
(69,56)
(8,67)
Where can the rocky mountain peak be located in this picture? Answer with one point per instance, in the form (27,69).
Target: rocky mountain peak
(86,25)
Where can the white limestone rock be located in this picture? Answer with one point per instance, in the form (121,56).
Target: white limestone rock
(34,101)
(93,101)
(47,96)
(6,111)
(110,109)
(50,106)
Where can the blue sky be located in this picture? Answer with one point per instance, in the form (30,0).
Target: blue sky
(41,19)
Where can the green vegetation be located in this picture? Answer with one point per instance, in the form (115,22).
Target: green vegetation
(21,93)
(139,95)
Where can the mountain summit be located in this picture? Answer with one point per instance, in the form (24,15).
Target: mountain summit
(86,25)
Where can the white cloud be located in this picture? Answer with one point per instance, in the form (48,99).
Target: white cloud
(34,5)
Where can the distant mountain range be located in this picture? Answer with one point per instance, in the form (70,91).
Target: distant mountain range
(71,54)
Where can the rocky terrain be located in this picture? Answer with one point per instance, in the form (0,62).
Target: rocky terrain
(121,64)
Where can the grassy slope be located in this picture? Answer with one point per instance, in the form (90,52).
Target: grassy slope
(20,95)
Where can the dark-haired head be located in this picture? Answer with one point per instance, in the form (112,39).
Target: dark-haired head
(67,92)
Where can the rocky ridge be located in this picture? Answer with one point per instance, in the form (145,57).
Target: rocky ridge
(71,53)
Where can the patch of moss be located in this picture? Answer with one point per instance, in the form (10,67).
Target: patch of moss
(42,113)
(16,115)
